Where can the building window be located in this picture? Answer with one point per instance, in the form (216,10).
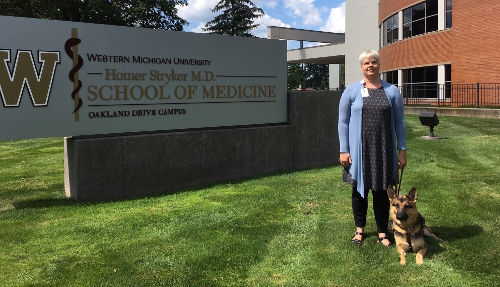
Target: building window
(448,13)
(420,82)
(421,18)
(381,39)
(447,73)
(391,77)
(389,29)
(447,80)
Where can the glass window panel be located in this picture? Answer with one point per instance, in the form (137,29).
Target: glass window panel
(389,37)
(405,91)
(395,21)
(431,74)
(448,20)
(384,31)
(418,91)
(407,30)
(418,27)
(395,36)
(388,77)
(431,91)
(381,37)
(448,5)
(418,11)
(389,24)
(432,7)
(407,15)
(447,73)
(392,77)
(418,75)
(432,24)
(420,82)
(406,76)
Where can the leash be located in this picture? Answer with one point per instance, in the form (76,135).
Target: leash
(399,179)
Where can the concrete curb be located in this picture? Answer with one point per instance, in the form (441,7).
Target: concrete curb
(456,112)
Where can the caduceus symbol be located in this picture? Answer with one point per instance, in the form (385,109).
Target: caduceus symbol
(77,65)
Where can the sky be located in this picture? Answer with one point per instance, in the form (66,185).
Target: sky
(318,15)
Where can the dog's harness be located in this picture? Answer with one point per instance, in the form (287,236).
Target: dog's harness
(421,219)
(409,235)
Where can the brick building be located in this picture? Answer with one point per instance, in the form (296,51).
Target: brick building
(431,49)
(444,42)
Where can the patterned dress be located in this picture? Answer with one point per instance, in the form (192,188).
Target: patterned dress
(376,142)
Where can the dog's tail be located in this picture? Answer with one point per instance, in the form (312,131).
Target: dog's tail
(428,232)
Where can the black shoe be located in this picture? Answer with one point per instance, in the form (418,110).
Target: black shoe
(380,239)
(357,241)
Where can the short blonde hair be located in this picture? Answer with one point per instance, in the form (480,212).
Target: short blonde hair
(368,54)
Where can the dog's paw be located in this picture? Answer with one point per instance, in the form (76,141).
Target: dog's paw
(402,256)
(402,260)
(420,259)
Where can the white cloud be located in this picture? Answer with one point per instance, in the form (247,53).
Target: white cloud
(198,29)
(265,3)
(271,4)
(197,11)
(324,9)
(304,9)
(336,21)
(265,21)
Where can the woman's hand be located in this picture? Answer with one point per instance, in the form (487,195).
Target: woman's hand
(345,159)
(402,159)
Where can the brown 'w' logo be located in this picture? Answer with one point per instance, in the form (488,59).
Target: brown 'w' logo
(25,74)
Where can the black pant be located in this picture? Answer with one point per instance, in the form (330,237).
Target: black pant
(380,208)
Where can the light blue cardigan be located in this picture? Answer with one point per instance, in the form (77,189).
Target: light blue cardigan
(350,109)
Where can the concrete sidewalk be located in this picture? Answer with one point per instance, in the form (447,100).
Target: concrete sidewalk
(456,112)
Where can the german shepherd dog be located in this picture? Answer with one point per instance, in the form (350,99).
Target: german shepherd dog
(408,225)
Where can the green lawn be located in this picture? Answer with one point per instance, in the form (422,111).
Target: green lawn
(284,230)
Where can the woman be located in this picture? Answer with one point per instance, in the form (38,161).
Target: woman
(371,117)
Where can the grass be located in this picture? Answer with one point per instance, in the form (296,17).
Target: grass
(284,230)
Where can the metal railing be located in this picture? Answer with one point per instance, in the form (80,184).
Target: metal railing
(454,95)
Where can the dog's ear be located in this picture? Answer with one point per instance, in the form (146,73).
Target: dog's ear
(412,195)
(391,193)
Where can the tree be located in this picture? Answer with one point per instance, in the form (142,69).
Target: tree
(156,14)
(317,76)
(294,76)
(236,19)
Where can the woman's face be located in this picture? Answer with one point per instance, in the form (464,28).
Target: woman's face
(370,67)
